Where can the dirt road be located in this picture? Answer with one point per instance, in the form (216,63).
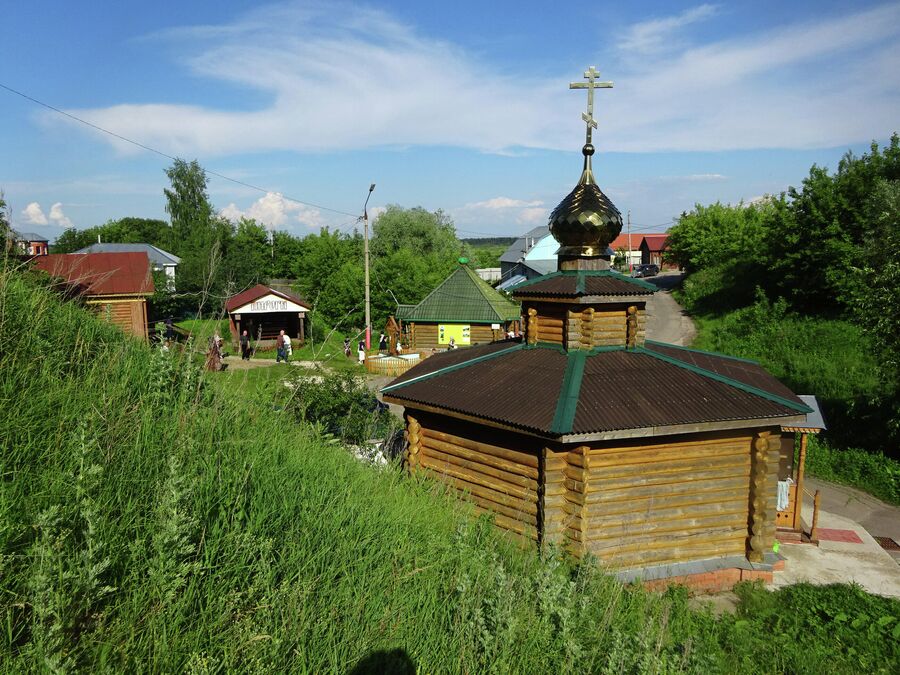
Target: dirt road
(666,320)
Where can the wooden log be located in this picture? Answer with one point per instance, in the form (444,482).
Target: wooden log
(739,441)
(601,518)
(632,532)
(636,492)
(682,477)
(477,478)
(526,459)
(675,467)
(509,477)
(641,504)
(514,502)
(700,539)
(683,553)
(656,456)
(434,445)
(516,526)
(507,511)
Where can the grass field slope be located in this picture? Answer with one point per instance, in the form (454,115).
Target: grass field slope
(150,522)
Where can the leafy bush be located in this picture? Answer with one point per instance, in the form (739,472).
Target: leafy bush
(872,472)
(341,404)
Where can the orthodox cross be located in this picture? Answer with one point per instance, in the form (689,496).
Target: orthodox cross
(590,75)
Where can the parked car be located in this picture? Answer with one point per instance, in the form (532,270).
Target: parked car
(645,271)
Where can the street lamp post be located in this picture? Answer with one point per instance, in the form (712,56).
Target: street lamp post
(366,245)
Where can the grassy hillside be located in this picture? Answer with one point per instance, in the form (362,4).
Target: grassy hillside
(151,522)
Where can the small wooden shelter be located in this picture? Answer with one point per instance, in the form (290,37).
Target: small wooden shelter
(264,312)
(114,285)
(464,308)
(658,460)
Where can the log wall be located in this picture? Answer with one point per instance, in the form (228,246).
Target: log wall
(580,327)
(129,314)
(634,505)
(497,472)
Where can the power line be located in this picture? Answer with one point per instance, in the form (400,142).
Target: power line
(163,154)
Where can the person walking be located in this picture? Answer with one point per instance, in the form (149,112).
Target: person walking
(361,352)
(245,346)
(382,343)
(347,347)
(280,352)
(288,348)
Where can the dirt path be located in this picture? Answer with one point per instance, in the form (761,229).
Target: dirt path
(667,321)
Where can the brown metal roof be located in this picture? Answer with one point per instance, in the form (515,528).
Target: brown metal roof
(580,283)
(743,370)
(100,273)
(543,389)
(629,390)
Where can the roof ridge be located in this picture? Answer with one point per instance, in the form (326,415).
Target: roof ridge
(750,389)
(455,366)
(570,393)
(490,294)
(703,351)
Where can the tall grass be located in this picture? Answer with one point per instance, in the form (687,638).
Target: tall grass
(150,522)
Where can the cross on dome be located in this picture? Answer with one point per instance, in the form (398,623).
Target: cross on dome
(590,75)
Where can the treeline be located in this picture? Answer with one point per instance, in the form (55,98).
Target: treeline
(411,251)
(826,251)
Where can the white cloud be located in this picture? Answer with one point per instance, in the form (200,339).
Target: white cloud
(58,217)
(519,211)
(503,203)
(654,35)
(274,211)
(820,82)
(34,215)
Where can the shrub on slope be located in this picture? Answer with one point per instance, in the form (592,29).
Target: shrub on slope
(150,523)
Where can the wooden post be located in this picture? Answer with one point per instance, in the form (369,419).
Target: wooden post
(532,326)
(413,443)
(302,332)
(587,328)
(814,530)
(801,467)
(585,479)
(759,497)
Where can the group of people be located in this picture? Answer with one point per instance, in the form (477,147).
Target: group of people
(383,347)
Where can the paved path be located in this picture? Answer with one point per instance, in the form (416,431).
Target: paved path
(667,321)
(877,517)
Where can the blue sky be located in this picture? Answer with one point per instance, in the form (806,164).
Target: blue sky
(458,106)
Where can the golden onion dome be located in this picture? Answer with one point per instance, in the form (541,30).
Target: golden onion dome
(585,221)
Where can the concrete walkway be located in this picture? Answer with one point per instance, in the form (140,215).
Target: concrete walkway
(865,562)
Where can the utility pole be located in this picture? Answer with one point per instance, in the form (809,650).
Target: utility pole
(366,245)
(629,240)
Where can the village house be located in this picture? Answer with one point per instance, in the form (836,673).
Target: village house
(29,243)
(660,462)
(113,285)
(652,248)
(160,260)
(263,312)
(463,308)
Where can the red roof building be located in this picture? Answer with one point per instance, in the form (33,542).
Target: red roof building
(652,248)
(114,285)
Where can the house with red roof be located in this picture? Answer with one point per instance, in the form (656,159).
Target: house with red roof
(114,285)
(264,312)
(652,248)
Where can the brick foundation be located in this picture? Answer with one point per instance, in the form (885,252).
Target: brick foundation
(713,582)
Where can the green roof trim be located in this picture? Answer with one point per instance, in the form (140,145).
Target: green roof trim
(570,392)
(581,275)
(455,366)
(799,407)
(463,297)
(701,351)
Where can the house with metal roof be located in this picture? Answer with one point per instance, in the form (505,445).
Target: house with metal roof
(30,243)
(658,461)
(513,266)
(464,308)
(160,260)
(114,285)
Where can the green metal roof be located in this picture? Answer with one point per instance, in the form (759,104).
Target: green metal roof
(463,297)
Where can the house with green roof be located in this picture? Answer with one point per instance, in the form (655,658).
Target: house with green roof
(463,308)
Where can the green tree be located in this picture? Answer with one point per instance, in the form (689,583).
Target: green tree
(199,237)
(286,249)
(878,294)
(248,259)
(327,266)
(5,229)
(127,230)
(429,234)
